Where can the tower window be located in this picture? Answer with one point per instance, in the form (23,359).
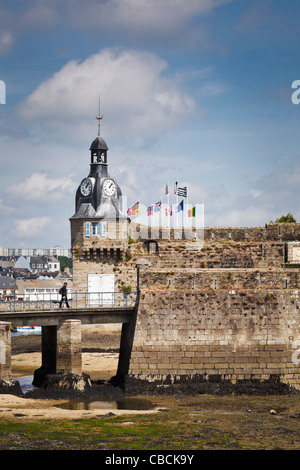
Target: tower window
(104,229)
(94,228)
(87,229)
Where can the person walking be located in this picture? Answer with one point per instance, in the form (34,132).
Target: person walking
(64,297)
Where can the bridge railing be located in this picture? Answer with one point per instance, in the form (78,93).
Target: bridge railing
(46,301)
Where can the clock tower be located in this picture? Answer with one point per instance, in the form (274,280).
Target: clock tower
(99,230)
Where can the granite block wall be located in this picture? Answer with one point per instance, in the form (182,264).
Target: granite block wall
(245,334)
(227,307)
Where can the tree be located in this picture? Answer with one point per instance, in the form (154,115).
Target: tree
(65,262)
(285,219)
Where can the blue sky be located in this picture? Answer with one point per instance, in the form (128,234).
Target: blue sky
(195,91)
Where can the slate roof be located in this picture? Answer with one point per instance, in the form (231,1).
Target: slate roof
(98,144)
(7,282)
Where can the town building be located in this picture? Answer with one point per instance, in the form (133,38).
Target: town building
(22,251)
(8,288)
(38,264)
(33,290)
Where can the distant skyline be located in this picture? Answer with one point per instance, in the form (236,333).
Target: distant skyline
(194,91)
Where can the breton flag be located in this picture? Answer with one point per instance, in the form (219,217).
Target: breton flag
(192,212)
(134,209)
(182,192)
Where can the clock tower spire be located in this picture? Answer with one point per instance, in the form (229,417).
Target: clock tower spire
(99,118)
(98,195)
(99,230)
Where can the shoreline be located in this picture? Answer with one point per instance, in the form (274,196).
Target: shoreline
(100,353)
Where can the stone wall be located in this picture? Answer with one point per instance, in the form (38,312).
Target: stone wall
(244,334)
(270,232)
(229,310)
(177,278)
(223,304)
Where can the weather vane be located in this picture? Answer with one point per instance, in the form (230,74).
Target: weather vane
(99,117)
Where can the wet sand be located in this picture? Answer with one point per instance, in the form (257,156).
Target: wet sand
(99,360)
(100,356)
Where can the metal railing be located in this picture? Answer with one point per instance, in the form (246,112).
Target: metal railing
(46,301)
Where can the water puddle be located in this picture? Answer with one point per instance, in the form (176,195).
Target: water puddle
(126,403)
(26,330)
(25,383)
(115,404)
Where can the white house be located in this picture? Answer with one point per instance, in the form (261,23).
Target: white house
(41,289)
(37,264)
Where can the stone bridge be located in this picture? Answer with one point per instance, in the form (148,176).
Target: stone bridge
(61,336)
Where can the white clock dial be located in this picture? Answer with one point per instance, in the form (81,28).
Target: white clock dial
(86,187)
(109,187)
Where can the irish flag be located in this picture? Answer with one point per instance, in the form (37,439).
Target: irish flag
(192,212)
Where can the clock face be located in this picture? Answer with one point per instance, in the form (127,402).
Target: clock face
(109,187)
(86,187)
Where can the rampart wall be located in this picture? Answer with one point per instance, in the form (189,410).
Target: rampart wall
(219,305)
(226,314)
(235,335)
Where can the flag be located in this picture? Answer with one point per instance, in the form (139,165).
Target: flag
(175,187)
(157,206)
(150,210)
(180,207)
(182,192)
(134,209)
(167,190)
(192,212)
(168,210)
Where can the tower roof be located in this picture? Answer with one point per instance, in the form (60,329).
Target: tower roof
(98,144)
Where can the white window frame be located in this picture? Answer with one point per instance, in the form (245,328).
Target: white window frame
(104,229)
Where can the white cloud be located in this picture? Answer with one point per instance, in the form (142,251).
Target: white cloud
(138,100)
(38,187)
(156,19)
(147,14)
(40,16)
(4,208)
(6,41)
(255,193)
(213,88)
(242,217)
(142,21)
(30,227)
(274,194)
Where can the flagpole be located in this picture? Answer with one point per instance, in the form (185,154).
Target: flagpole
(177,206)
(138,214)
(168,206)
(187,208)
